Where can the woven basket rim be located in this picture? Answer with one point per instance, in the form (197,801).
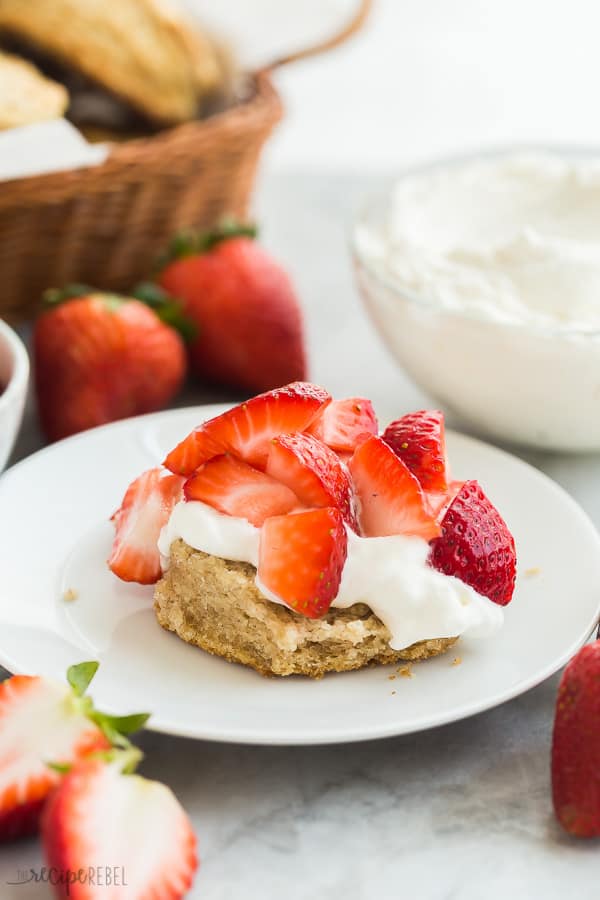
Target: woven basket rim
(262,106)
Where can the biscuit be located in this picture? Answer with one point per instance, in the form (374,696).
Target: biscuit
(214,604)
(141,50)
(26,96)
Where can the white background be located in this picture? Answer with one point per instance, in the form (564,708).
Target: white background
(426,77)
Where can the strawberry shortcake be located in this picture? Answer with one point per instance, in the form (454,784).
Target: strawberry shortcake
(289,535)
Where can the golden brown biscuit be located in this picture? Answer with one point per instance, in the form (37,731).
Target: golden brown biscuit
(26,96)
(141,50)
(214,604)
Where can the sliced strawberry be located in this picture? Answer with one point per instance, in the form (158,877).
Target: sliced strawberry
(41,721)
(247,429)
(312,471)
(302,557)
(235,488)
(345,424)
(146,507)
(476,545)
(576,745)
(99,816)
(390,498)
(419,440)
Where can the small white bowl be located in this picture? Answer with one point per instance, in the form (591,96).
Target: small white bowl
(538,387)
(14,377)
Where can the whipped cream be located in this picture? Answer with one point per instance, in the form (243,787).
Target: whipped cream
(483,277)
(388,574)
(515,239)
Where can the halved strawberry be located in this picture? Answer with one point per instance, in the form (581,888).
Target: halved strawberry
(390,498)
(419,440)
(476,546)
(41,721)
(302,557)
(146,507)
(247,429)
(100,816)
(345,424)
(312,471)
(235,488)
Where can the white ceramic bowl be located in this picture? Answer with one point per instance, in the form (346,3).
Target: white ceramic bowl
(538,387)
(14,376)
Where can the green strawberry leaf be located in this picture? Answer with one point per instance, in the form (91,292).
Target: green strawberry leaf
(61,768)
(126,724)
(56,296)
(168,309)
(192,243)
(79,676)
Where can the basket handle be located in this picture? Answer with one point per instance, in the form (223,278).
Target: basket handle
(350,28)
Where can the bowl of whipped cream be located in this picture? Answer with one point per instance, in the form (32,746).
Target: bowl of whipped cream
(482,276)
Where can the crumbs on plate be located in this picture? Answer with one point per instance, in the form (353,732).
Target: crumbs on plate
(405,672)
(70,594)
(532,572)
(457,661)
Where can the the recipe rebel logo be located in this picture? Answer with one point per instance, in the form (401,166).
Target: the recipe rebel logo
(94,876)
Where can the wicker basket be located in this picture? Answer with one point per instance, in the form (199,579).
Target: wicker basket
(105,225)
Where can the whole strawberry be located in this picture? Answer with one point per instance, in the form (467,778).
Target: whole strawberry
(248,319)
(576,745)
(101,357)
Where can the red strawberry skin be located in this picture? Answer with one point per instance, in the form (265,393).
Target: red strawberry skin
(345,424)
(235,488)
(98,817)
(419,440)
(390,499)
(248,429)
(312,471)
(146,507)
(476,546)
(25,778)
(301,559)
(100,358)
(249,322)
(576,745)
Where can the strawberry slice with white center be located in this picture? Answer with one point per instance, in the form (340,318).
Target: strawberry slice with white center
(100,818)
(390,498)
(345,424)
(247,429)
(419,440)
(41,721)
(301,559)
(312,471)
(235,488)
(146,507)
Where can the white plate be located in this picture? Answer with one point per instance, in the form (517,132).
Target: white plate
(55,535)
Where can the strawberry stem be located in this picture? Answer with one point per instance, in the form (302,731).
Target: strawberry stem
(80,676)
(168,309)
(56,296)
(192,243)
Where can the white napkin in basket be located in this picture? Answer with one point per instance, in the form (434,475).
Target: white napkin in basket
(46,147)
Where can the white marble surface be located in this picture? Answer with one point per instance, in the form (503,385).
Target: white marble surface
(459,813)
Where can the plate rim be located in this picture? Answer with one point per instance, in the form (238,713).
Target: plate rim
(243,736)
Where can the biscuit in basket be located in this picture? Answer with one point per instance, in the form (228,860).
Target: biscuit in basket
(214,604)
(141,50)
(26,96)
